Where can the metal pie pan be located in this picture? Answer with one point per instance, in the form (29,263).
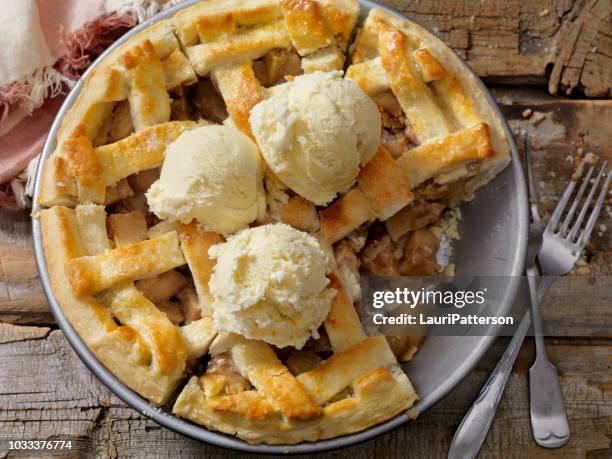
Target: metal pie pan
(495,224)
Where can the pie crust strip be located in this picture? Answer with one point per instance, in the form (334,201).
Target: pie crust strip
(377,395)
(440,156)
(149,100)
(146,353)
(385,185)
(195,244)
(140,151)
(342,368)
(92,274)
(258,362)
(342,324)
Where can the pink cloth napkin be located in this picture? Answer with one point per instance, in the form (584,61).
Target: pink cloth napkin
(44,48)
(25,140)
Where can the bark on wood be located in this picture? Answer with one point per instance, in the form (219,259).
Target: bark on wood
(47,393)
(565,44)
(584,58)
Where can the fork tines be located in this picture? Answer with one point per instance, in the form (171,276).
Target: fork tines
(570,227)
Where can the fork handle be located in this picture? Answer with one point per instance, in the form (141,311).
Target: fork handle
(546,407)
(474,427)
(538,332)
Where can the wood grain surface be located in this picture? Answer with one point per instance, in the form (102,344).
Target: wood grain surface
(526,50)
(563,44)
(48,393)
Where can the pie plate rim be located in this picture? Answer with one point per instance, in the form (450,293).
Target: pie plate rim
(164,417)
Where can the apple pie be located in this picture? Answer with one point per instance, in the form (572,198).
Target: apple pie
(223,180)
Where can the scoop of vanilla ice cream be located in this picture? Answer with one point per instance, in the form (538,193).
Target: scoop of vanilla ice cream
(270,283)
(212,174)
(314,133)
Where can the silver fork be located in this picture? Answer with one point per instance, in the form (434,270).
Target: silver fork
(559,253)
(475,425)
(548,417)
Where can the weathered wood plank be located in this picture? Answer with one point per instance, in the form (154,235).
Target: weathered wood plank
(558,129)
(46,392)
(564,44)
(11,334)
(22,300)
(584,58)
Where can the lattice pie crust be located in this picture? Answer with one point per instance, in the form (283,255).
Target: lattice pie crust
(136,288)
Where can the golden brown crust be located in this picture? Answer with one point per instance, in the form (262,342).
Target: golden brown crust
(269,415)
(425,117)
(437,95)
(385,184)
(211,35)
(370,76)
(195,244)
(85,167)
(344,215)
(222,32)
(197,336)
(378,395)
(241,92)
(91,221)
(340,370)
(340,16)
(204,20)
(94,273)
(323,60)
(442,155)
(142,82)
(250,404)
(306,27)
(62,242)
(178,70)
(104,86)
(149,101)
(57,185)
(300,213)
(244,46)
(429,66)
(146,352)
(342,323)
(161,337)
(61,177)
(257,361)
(140,151)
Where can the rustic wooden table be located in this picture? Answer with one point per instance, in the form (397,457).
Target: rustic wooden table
(524,49)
